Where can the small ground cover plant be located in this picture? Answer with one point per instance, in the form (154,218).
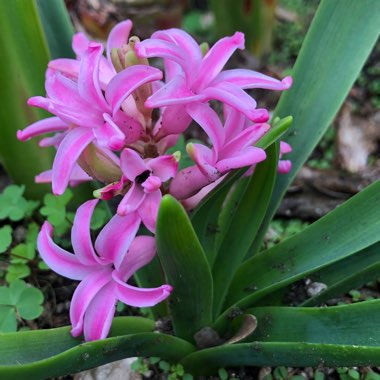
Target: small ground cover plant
(192,234)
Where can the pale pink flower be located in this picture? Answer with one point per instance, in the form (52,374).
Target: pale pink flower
(103,271)
(146,177)
(232,149)
(190,77)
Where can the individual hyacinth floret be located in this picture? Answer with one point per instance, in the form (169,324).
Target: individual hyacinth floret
(115,118)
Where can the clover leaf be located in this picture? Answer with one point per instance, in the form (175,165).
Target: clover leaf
(19,300)
(13,205)
(5,238)
(55,207)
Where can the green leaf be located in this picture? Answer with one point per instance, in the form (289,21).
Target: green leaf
(24,58)
(35,355)
(346,274)
(8,322)
(57,26)
(331,325)
(244,224)
(26,300)
(5,238)
(324,73)
(186,269)
(12,203)
(100,217)
(17,271)
(330,239)
(207,361)
(55,210)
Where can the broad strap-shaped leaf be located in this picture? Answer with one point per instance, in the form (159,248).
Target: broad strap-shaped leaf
(334,325)
(208,361)
(186,269)
(24,57)
(324,72)
(332,238)
(36,355)
(57,26)
(347,274)
(245,220)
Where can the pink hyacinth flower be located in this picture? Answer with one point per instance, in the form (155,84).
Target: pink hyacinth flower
(103,271)
(284,166)
(232,148)
(146,176)
(190,77)
(85,114)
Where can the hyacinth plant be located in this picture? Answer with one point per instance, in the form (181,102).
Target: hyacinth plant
(191,234)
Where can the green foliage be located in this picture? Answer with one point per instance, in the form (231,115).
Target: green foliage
(5,238)
(13,205)
(282,229)
(19,300)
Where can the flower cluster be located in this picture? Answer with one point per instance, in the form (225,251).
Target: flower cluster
(115,118)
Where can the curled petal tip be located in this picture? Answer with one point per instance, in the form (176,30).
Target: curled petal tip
(287,82)
(239,39)
(76,330)
(20,136)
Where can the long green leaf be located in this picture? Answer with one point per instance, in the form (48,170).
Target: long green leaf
(347,274)
(244,224)
(46,353)
(208,361)
(186,269)
(57,26)
(24,56)
(334,325)
(336,46)
(332,238)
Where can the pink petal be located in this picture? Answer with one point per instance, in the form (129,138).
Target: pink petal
(234,122)
(54,140)
(67,66)
(51,124)
(284,166)
(249,136)
(84,294)
(151,184)
(140,297)
(124,83)
(131,128)
(205,160)
(238,99)
(187,44)
(216,58)
(188,182)
(173,93)
(41,102)
(132,164)
(148,209)
(67,155)
(81,234)
(59,260)
(154,47)
(285,147)
(100,312)
(140,253)
(132,200)
(80,44)
(78,176)
(244,79)
(209,122)
(164,167)
(175,120)
(109,135)
(118,36)
(116,236)
(88,79)
(249,156)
